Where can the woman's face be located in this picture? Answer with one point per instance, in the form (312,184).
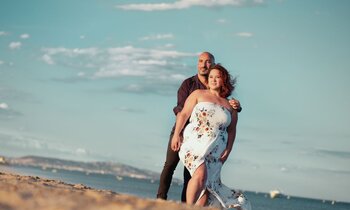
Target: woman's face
(215,80)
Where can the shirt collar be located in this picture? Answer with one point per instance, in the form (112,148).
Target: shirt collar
(199,82)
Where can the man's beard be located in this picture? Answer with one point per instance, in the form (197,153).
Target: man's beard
(204,72)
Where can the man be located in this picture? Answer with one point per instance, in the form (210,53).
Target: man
(198,81)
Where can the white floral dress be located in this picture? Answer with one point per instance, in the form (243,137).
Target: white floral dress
(205,138)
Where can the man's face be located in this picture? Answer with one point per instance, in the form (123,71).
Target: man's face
(204,63)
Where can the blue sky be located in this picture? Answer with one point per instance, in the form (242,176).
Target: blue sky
(97,80)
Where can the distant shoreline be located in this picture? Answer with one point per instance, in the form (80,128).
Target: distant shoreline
(119,170)
(112,168)
(32,192)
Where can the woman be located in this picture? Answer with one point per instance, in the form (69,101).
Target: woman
(208,140)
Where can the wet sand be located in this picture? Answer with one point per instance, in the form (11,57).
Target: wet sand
(32,192)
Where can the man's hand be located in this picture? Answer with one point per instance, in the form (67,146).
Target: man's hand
(235,104)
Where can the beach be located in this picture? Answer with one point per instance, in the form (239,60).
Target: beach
(33,192)
(62,186)
(28,187)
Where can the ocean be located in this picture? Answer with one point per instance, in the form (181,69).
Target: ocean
(148,189)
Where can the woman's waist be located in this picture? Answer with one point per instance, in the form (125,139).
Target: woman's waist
(205,127)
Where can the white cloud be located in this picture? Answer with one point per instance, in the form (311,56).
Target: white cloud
(221,21)
(15,45)
(88,53)
(3,33)
(134,87)
(47,59)
(184,4)
(81,151)
(3,106)
(23,144)
(283,169)
(130,110)
(25,36)
(1,62)
(148,66)
(157,37)
(152,62)
(169,45)
(178,76)
(81,74)
(245,34)
(82,37)
(71,52)
(115,62)
(5,111)
(130,61)
(113,71)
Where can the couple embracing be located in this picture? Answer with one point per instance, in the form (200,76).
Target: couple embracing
(203,137)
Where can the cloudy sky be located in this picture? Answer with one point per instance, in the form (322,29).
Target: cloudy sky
(97,80)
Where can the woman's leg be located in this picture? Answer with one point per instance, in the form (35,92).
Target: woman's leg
(203,200)
(196,184)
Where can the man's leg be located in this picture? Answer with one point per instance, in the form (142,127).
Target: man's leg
(187,177)
(172,159)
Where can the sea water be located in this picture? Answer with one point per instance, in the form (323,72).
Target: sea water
(148,189)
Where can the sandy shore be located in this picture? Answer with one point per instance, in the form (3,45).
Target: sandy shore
(29,192)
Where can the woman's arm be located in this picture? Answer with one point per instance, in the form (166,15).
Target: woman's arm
(181,119)
(231,130)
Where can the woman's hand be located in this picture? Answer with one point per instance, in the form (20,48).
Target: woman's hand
(224,156)
(176,143)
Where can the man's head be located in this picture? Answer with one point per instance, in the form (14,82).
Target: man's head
(205,61)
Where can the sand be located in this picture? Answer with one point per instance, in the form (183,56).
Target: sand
(32,192)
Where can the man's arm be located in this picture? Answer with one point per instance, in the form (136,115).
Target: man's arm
(182,95)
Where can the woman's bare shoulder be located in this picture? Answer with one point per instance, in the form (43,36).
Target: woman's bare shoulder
(227,104)
(199,92)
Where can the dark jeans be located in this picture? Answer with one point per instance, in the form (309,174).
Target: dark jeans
(172,159)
